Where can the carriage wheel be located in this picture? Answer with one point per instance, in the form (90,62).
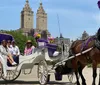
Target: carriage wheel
(1,69)
(43,72)
(11,75)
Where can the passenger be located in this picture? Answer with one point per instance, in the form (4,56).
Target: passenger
(15,49)
(29,49)
(4,52)
(9,46)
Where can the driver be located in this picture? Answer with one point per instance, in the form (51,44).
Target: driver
(4,52)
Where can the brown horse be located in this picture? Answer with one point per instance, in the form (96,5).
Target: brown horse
(92,56)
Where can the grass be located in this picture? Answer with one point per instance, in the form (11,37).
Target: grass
(90,66)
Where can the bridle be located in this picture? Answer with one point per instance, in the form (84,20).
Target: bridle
(97,42)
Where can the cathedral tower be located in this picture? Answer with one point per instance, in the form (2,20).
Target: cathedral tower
(41,19)
(27,18)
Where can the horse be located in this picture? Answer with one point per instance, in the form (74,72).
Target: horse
(91,56)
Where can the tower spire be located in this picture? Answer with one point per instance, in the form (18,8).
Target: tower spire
(40,2)
(27,1)
(27,4)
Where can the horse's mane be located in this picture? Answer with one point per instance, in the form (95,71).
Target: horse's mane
(76,42)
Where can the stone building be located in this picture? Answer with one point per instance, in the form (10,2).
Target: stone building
(41,20)
(27,19)
(64,43)
(61,39)
(27,22)
(85,35)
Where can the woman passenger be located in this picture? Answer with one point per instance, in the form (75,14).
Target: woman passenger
(4,52)
(29,49)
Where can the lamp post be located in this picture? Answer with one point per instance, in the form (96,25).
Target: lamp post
(98,4)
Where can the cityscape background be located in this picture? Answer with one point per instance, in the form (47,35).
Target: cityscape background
(74,16)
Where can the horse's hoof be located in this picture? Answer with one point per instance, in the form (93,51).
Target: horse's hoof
(83,83)
(93,84)
(78,83)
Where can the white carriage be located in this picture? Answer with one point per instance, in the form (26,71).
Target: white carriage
(43,56)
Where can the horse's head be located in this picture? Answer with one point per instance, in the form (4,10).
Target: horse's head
(97,41)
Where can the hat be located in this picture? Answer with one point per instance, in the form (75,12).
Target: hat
(29,41)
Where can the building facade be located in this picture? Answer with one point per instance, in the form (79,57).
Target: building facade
(62,40)
(27,22)
(41,19)
(27,19)
(85,35)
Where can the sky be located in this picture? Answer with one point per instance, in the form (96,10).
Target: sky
(75,16)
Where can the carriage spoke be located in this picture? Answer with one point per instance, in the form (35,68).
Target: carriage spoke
(11,75)
(42,72)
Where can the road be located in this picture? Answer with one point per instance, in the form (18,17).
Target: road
(31,79)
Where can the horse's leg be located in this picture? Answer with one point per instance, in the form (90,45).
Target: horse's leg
(81,75)
(77,78)
(94,72)
(99,77)
(75,67)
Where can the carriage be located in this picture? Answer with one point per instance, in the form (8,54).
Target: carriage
(42,56)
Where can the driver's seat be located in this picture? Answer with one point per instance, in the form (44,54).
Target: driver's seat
(52,50)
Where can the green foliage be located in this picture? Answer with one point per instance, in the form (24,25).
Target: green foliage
(21,39)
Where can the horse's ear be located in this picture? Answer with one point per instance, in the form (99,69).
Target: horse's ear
(99,29)
(98,32)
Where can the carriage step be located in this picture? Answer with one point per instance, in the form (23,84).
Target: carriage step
(11,68)
(51,71)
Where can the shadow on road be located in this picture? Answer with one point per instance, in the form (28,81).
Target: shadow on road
(33,82)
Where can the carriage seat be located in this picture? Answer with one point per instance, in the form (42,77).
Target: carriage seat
(52,50)
(42,43)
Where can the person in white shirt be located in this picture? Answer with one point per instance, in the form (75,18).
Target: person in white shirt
(15,51)
(4,52)
(9,46)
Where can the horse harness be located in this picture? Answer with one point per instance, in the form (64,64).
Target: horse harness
(85,45)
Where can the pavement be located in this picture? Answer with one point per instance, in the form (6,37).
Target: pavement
(31,79)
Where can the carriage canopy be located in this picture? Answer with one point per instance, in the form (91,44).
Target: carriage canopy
(4,36)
